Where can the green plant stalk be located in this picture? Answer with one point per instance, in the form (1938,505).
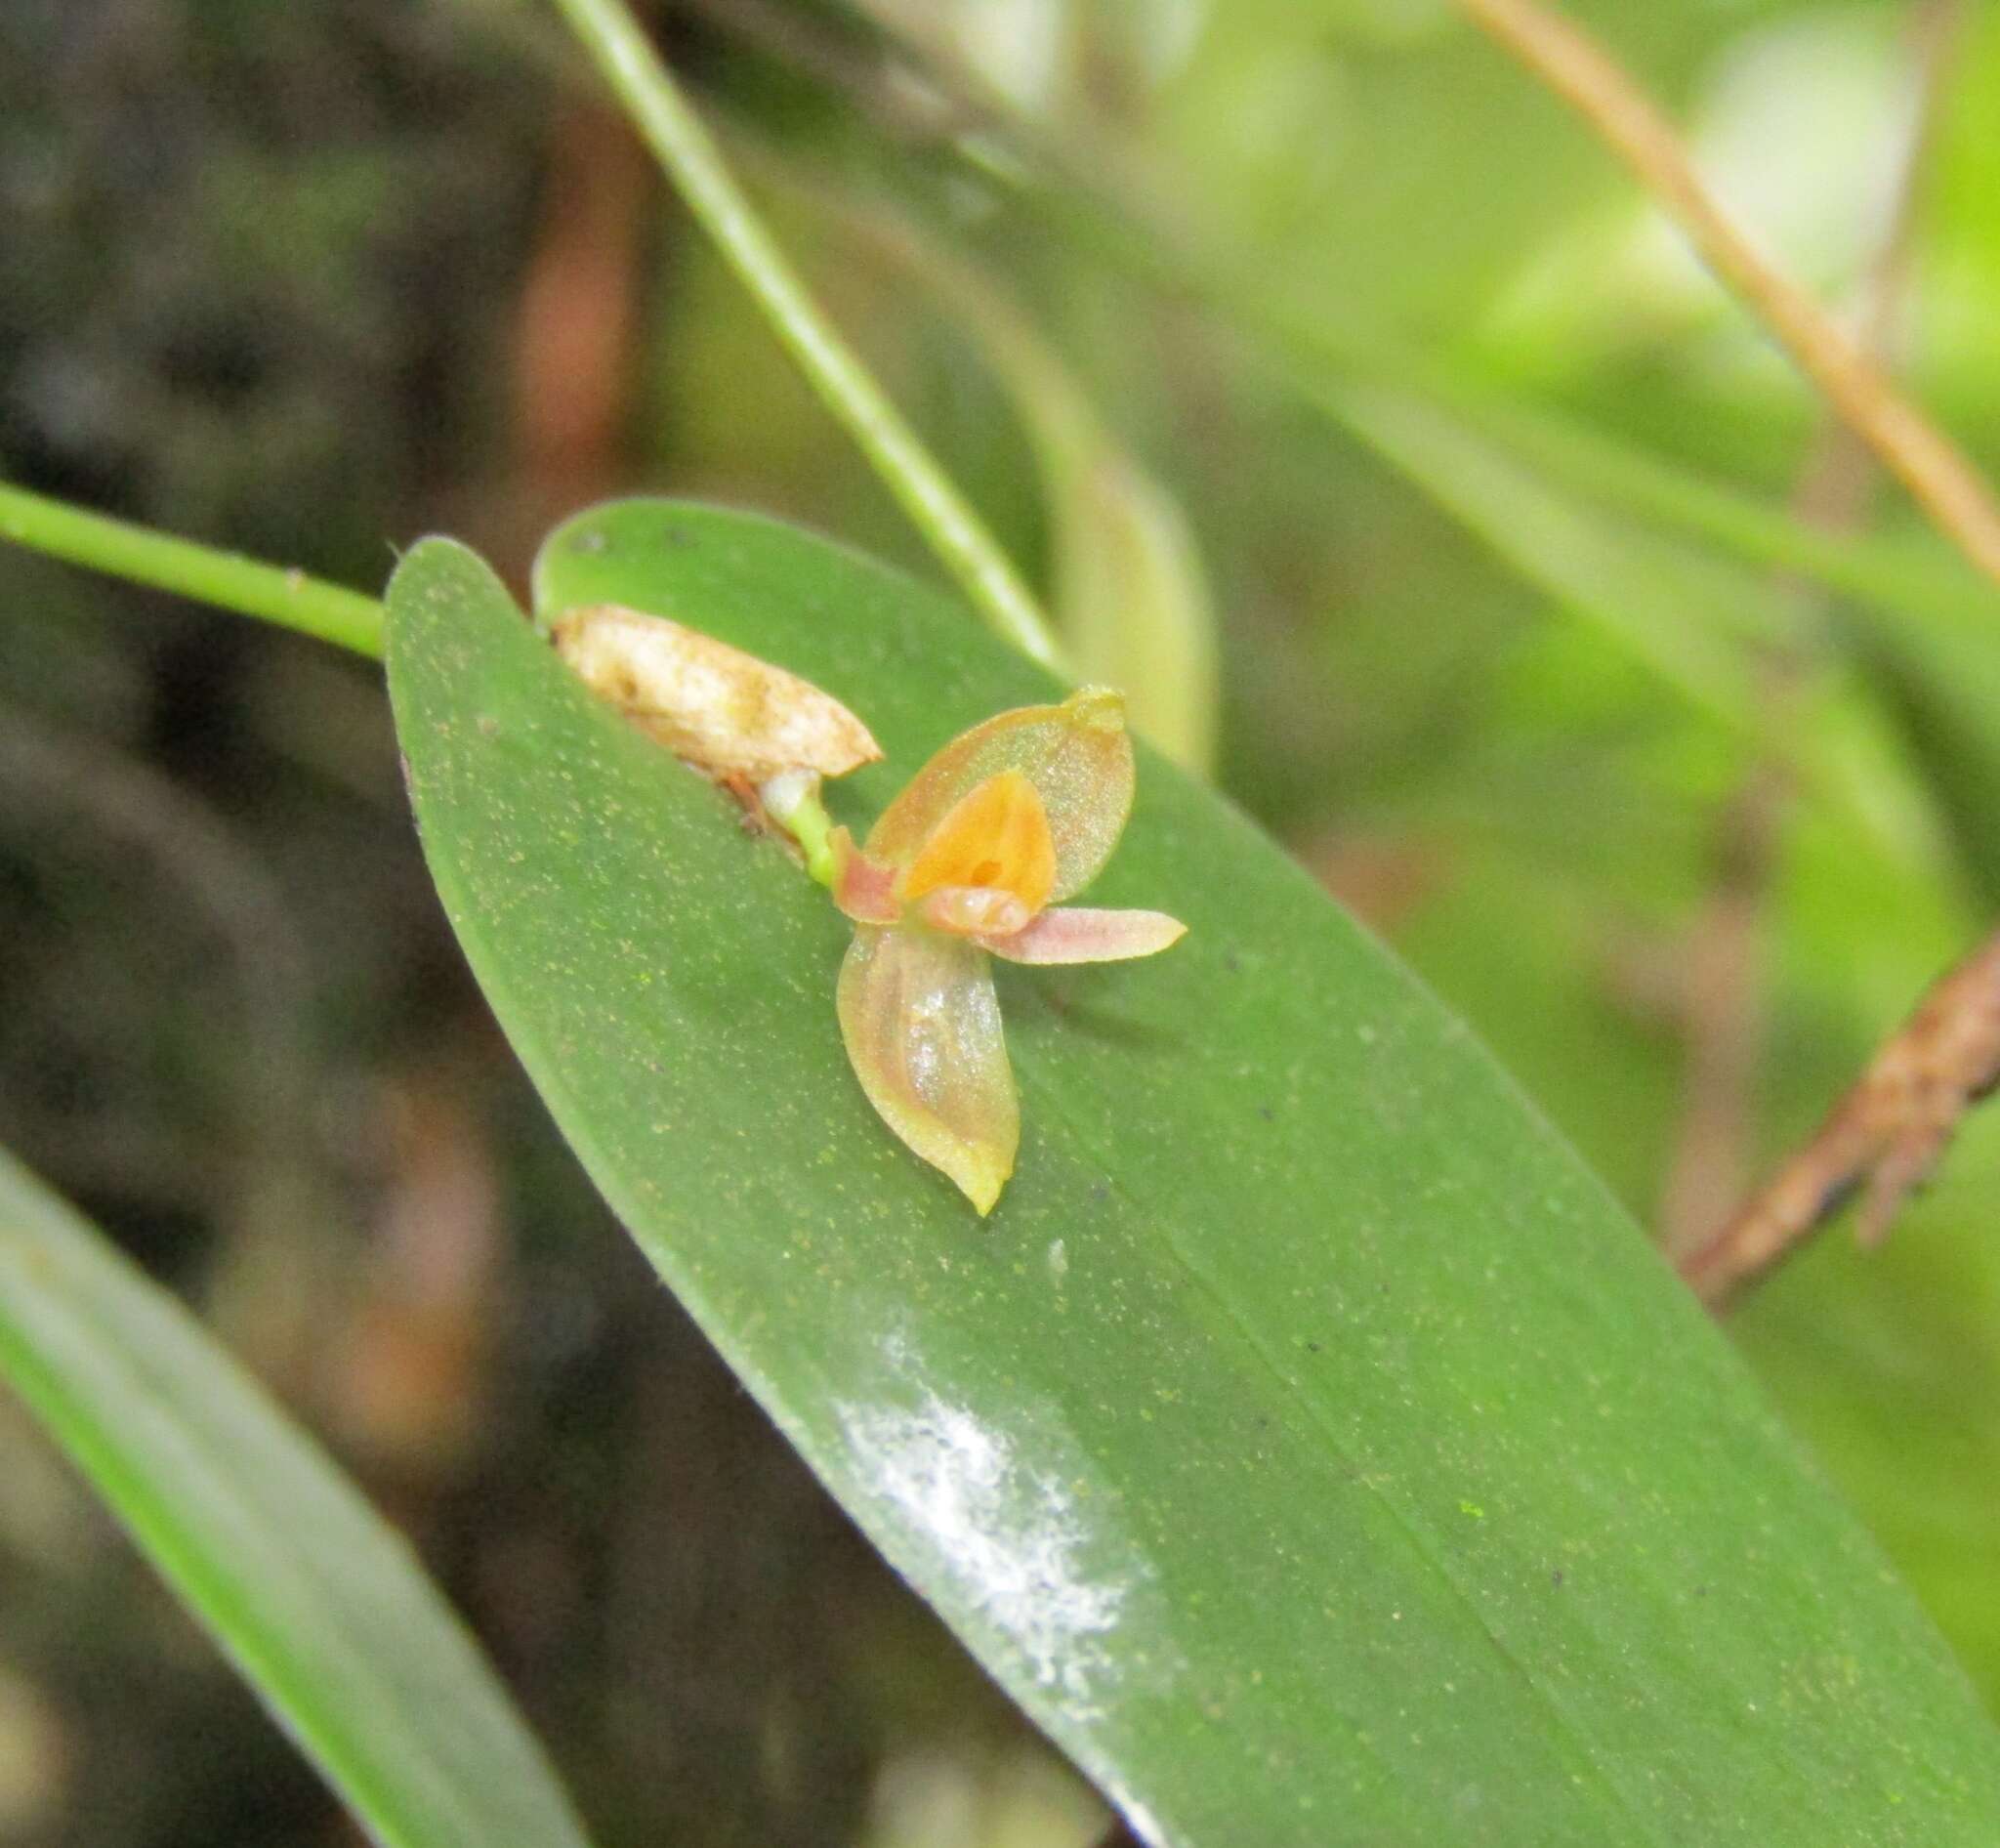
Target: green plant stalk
(792,800)
(694,164)
(1128,589)
(289,598)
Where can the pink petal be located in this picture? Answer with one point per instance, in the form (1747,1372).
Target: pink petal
(1078,934)
(862,888)
(1077,756)
(922,1026)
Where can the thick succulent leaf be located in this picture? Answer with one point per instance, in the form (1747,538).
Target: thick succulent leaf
(921,1027)
(314,1598)
(1307,1440)
(1078,758)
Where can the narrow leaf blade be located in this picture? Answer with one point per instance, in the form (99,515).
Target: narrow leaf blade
(308,1591)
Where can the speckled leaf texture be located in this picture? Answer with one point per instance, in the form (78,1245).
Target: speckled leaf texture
(1307,1441)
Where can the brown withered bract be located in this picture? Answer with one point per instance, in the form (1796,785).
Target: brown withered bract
(1881,1139)
(734,718)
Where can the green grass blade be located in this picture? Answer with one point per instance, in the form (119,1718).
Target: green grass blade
(1307,1440)
(314,1598)
(690,160)
(1130,593)
(1704,627)
(226,579)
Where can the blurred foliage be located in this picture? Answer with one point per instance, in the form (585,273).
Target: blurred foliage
(312,279)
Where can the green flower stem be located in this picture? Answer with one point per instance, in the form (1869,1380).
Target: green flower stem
(694,164)
(287,598)
(792,801)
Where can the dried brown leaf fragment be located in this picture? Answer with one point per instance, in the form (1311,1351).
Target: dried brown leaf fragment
(1882,1139)
(725,713)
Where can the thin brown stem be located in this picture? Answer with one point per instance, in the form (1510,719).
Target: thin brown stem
(1881,1139)
(1907,443)
(1707,1169)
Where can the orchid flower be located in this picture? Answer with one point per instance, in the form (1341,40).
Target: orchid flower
(971,861)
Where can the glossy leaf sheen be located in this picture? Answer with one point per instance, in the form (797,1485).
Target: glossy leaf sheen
(316,1600)
(1306,1440)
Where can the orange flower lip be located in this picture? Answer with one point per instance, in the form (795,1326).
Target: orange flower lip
(995,838)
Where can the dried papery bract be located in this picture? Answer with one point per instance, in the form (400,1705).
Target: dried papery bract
(963,865)
(726,713)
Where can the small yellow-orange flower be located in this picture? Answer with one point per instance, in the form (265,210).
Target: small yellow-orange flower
(973,859)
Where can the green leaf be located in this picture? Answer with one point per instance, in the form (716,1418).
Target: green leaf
(1307,1440)
(1703,625)
(1131,594)
(314,1598)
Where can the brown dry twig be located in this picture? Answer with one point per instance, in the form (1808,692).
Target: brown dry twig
(1909,445)
(1708,1170)
(1883,1136)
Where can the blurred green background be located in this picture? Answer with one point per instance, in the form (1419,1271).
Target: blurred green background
(1280,316)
